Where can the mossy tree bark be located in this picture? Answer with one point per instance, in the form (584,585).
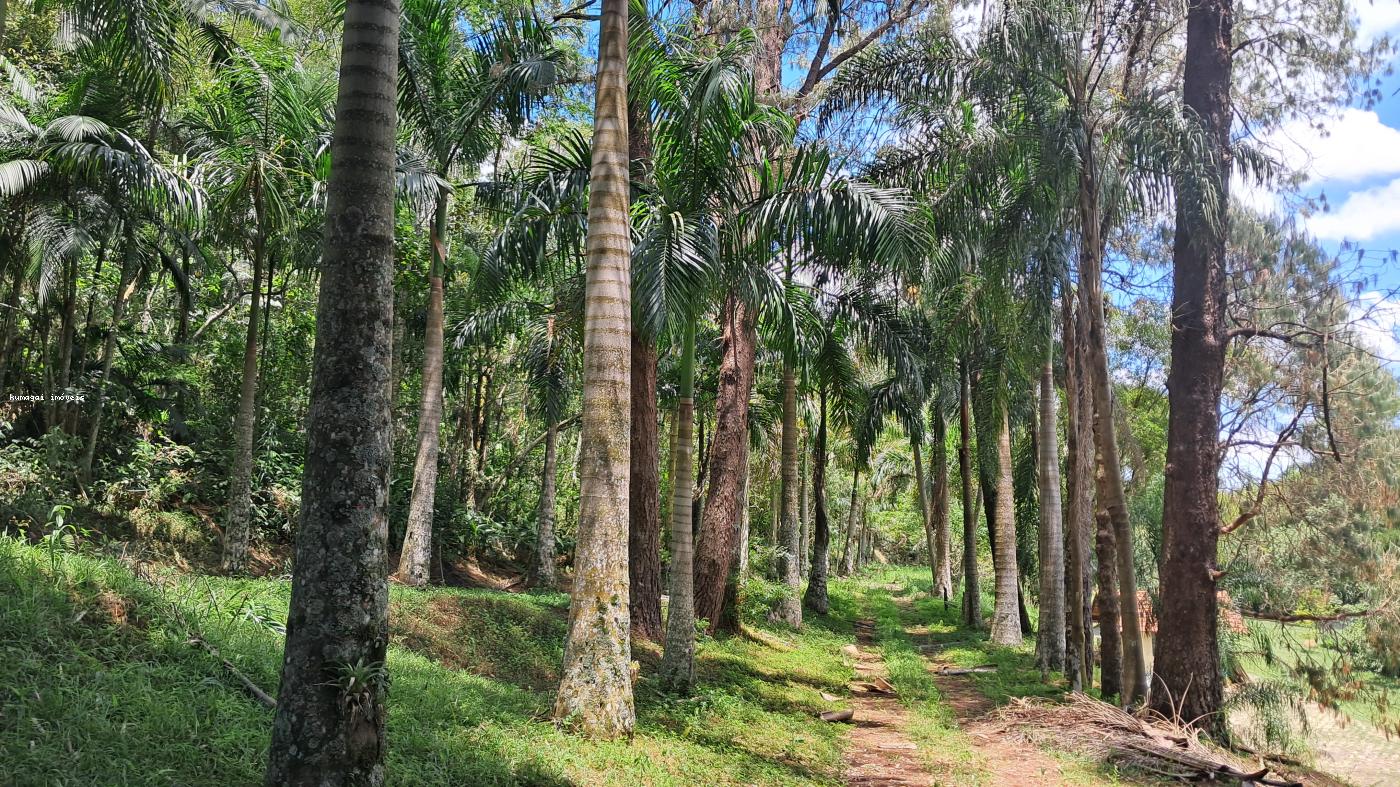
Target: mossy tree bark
(329,724)
(595,690)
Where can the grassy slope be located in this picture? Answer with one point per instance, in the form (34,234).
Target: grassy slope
(101,686)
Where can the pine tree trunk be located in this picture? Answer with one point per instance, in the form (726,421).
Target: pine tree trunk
(329,725)
(644,532)
(728,461)
(678,661)
(1110,486)
(972,591)
(1006,615)
(1050,644)
(789,608)
(238,527)
(848,552)
(1079,508)
(418,536)
(1188,654)
(544,573)
(816,597)
(595,691)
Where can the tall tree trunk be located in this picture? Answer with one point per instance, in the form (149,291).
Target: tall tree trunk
(972,591)
(1006,615)
(66,336)
(789,608)
(125,285)
(728,460)
(238,529)
(925,505)
(544,574)
(1050,644)
(942,536)
(848,554)
(1079,509)
(816,597)
(595,691)
(1110,488)
(678,661)
(644,532)
(1187,660)
(742,550)
(804,507)
(1110,611)
(329,724)
(418,536)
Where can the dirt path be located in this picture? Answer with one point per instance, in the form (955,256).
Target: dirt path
(880,754)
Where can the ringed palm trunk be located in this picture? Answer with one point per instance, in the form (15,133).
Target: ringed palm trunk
(418,537)
(816,597)
(728,463)
(1050,643)
(678,660)
(1111,495)
(328,728)
(544,574)
(1006,615)
(1079,509)
(1110,611)
(972,591)
(848,558)
(804,508)
(942,537)
(1187,663)
(238,528)
(595,691)
(789,608)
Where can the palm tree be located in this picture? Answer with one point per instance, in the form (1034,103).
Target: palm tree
(254,153)
(595,691)
(678,662)
(458,102)
(329,724)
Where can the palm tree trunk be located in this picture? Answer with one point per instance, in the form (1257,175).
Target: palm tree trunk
(418,536)
(1187,663)
(329,723)
(1079,509)
(1050,643)
(942,537)
(1110,610)
(742,550)
(644,531)
(816,597)
(925,505)
(848,557)
(125,285)
(972,591)
(1111,495)
(595,691)
(789,608)
(544,575)
(238,529)
(804,508)
(728,461)
(678,661)
(1006,615)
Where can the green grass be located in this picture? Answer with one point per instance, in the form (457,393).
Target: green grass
(102,687)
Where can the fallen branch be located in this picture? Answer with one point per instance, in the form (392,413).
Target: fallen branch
(969,670)
(252,688)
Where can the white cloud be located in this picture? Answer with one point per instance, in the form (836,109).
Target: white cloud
(1352,146)
(1375,18)
(1376,320)
(1364,215)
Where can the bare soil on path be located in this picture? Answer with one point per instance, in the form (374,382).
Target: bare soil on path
(881,753)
